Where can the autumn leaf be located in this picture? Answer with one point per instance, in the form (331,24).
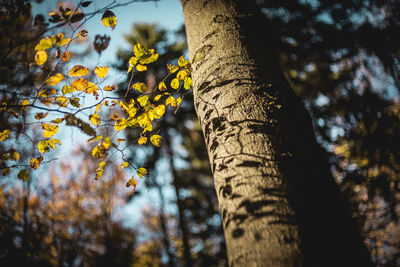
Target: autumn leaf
(60,40)
(156,140)
(25,103)
(67,89)
(62,101)
(140,67)
(157,97)
(49,129)
(13,155)
(44,44)
(40,115)
(4,135)
(58,120)
(55,79)
(45,145)
(75,102)
(78,70)
(181,75)
(141,171)
(66,56)
(141,87)
(120,140)
(80,84)
(159,111)
(92,88)
(101,72)
(40,57)
(99,173)
(162,86)
(187,83)
(98,151)
(172,68)
(175,83)
(23,175)
(110,88)
(142,140)
(170,101)
(94,119)
(182,62)
(109,19)
(34,162)
(131,182)
(124,165)
(143,100)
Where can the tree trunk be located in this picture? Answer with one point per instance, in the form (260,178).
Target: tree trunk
(279,203)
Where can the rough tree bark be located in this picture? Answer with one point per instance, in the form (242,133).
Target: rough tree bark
(279,203)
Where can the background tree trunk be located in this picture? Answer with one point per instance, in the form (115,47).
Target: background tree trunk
(279,203)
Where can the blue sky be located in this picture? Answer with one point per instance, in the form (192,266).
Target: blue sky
(167,14)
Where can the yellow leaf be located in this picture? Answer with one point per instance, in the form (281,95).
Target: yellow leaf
(172,68)
(78,70)
(80,84)
(43,146)
(49,129)
(162,86)
(25,103)
(110,88)
(124,165)
(106,143)
(157,97)
(159,111)
(98,151)
(187,83)
(182,62)
(23,175)
(58,120)
(92,88)
(141,171)
(99,173)
(143,100)
(141,87)
(34,162)
(132,62)
(156,140)
(94,119)
(44,44)
(142,140)
(75,102)
(4,135)
(52,142)
(139,50)
(102,164)
(131,182)
(109,19)
(66,56)
(101,72)
(120,125)
(60,41)
(55,79)
(67,89)
(40,57)
(170,101)
(140,67)
(181,75)
(175,83)
(40,115)
(62,101)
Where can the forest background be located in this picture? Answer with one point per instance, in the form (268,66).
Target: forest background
(348,82)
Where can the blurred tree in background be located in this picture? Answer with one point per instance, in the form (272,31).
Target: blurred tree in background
(342,59)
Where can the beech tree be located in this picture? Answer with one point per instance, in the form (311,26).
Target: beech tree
(278,201)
